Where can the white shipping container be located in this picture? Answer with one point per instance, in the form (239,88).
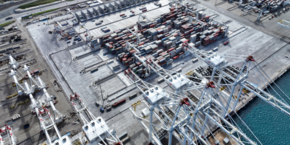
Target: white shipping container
(178,50)
(193,38)
(172,53)
(160,80)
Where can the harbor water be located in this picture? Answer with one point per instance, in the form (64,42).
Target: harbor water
(270,125)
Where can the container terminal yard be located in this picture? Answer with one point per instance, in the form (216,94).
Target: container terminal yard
(142,72)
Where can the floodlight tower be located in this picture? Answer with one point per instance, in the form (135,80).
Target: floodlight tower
(95,128)
(6,136)
(172,120)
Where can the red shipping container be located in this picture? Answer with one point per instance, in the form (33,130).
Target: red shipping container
(175,57)
(141,43)
(133,51)
(163,53)
(170,49)
(158,29)
(142,31)
(185,41)
(227,42)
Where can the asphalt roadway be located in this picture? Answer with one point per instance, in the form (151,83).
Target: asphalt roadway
(10,12)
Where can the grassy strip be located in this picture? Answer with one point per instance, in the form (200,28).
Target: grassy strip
(39,13)
(36,3)
(7,23)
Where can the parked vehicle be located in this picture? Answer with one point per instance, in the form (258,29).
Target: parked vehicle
(8,18)
(99,22)
(227,42)
(105,29)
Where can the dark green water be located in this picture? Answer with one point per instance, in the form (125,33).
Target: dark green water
(271,126)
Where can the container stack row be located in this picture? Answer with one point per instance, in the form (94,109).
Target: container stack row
(162,40)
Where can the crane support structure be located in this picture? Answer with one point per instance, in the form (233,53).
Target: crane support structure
(220,64)
(6,136)
(95,128)
(284,23)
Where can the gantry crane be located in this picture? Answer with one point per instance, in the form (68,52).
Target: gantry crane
(135,34)
(43,114)
(142,18)
(219,64)
(13,63)
(180,84)
(6,136)
(88,35)
(176,3)
(174,120)
(95,128)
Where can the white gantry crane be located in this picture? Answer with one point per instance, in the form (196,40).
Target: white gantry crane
(142,18)
(234,78)
(176,3)
(172,114)
(194,129)
(57,26)
(13,63)
(42,113)
(6,136)
(87,34)
(284,23)
(137,35)
(95,128)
